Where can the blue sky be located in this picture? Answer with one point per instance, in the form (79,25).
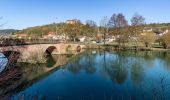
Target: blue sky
(21,14)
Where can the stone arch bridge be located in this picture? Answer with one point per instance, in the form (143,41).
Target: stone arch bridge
(43,49)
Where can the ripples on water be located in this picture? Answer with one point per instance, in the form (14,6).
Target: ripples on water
(99,75)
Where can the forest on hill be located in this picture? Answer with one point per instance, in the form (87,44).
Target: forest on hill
(8,31)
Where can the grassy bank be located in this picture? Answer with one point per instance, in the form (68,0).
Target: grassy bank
(127,47)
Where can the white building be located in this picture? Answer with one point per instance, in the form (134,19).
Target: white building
(82,39)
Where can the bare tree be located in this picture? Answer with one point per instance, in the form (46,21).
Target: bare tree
(119,23)
(91,23)
(137,23)
(137,20)
(113,21)
(104,23)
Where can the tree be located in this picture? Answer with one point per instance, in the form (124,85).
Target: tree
(118,21)
(120,24)
(165,39)
(121,21)
(89,31)
(91,23)
(137,23)
(148,38)
(137,20)
(113,21)
(73,30)
(104,22)
(104,25)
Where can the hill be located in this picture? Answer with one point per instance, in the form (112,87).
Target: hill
(8,31)
(59,28)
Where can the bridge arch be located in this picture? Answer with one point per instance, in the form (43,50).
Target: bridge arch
(50,49)
(11,59)
(69,48)
(78,49)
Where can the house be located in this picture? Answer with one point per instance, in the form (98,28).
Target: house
(111,39)
(148,30)
(99,37)
(161,32)
(49,35)
(165,32)
(21,36)
(82,39)
(74,21)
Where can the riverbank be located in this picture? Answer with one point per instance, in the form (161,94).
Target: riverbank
(124,48)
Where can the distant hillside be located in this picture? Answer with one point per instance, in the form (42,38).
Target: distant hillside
(45,29)
(39,30)
(8,31)
(158,25)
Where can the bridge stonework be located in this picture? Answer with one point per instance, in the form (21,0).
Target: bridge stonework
(27,51)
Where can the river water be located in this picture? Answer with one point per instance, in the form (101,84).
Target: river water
(3,62)
(97,75)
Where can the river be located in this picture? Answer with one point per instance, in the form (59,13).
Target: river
(96,75)
(3,62)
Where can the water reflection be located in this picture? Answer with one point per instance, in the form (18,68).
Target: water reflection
(99,75)
(28,75)
(137,72)
(3,62)
(51,62)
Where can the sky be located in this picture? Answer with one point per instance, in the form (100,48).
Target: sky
(21,14)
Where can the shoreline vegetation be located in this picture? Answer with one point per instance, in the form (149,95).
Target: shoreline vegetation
(111,47)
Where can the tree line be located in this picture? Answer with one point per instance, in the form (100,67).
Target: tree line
(116,25)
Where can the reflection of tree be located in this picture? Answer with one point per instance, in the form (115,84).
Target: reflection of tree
(137,72)
(118,71)
(120,74)
(84,61)
(149,56)
(89,65)
(165,57)
(73,64)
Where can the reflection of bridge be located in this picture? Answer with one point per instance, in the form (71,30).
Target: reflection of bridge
(31,74)
(43,49)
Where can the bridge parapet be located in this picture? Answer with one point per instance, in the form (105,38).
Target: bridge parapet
(37,52)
